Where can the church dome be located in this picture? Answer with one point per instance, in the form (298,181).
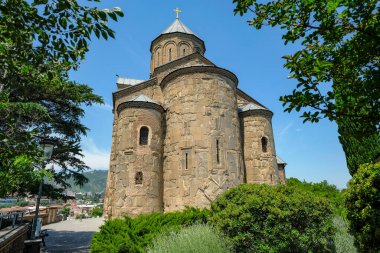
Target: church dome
(175,42)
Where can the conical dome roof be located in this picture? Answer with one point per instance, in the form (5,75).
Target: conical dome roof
(177,26)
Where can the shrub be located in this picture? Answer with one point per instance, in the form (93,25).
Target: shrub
(134,235)
(21,202)
(65,211)
(196,238)
(343,241)
(81,216)
(263,218)
(97,211)
(322,189)
(362,200)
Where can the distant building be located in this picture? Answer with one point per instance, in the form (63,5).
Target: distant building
(70,194)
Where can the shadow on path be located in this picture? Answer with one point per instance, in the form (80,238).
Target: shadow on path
(68,241)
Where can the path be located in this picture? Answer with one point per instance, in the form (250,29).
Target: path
(71,235)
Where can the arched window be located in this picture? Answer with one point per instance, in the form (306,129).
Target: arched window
(139,177)
(264,144)
(144,133)
(170,54)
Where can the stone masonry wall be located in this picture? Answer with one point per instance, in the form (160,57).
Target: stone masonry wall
(124,193)
(202,151)
(261,167)
(281,173)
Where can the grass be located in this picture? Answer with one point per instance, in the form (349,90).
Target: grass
(193,239)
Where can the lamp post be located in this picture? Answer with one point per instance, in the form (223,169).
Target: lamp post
(48,151)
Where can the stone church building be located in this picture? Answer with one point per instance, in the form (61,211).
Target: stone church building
(187,134)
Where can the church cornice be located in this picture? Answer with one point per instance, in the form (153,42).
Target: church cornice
(181,60)
(174,34)
(139,104)
(256,112)
(132,89)
(198,69)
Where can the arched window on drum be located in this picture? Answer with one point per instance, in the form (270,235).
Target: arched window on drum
(144,134)
(264,144)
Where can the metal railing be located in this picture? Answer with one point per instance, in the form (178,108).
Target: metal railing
(11,218)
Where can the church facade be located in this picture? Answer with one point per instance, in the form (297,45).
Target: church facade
(187,134)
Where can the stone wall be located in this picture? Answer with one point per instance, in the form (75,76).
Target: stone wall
(191,60)
(135,177)
(202,151)
(281,173)
(260,165)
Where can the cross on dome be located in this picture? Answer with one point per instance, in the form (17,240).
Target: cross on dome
(177,11)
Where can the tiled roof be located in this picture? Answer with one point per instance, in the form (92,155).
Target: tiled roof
(128,81)
(143,98)
(177,26)
(279,160)
(251,107)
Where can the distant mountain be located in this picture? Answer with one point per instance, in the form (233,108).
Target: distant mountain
(96,182)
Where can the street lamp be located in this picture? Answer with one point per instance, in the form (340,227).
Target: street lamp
(48,151)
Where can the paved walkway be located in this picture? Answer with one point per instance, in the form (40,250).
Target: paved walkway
(71,235)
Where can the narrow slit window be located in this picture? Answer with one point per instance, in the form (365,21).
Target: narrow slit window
(158,58)
(264,144)
(217,152)
(170,54)
(186,161)
(144,133)
(184,52)
(139,178)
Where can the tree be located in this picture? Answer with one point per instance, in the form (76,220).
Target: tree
(362,200)
(40,41)
(337,68)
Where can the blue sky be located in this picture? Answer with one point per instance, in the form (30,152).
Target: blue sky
(312,151)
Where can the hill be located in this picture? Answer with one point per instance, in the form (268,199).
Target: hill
(96,182)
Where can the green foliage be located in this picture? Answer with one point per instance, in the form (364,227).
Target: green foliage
(343,241)
(45,202)
(360,148)
(65,211)
(135,234)
(14,170)
(337,68)
(196,238)
(263,218)
(97,211)
(362,200)
(40,41)
(322,189)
